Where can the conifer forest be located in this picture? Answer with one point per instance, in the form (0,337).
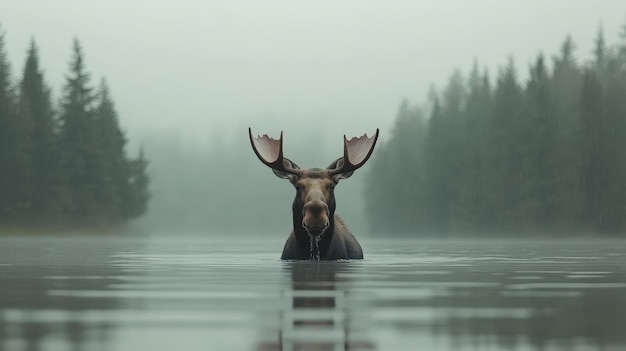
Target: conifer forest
(529,149)
(500,155)
(64,164)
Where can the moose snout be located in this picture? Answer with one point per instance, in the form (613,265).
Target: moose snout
(315,217)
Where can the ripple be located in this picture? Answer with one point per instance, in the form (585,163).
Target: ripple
(585,276)
(567,286)
(443,284)
(123,316)
(156,294)
(535,293)
(426,313)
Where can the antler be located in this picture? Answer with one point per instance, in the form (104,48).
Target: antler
(270,152)
(356,151)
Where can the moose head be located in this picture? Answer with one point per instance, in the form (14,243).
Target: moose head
(316,227)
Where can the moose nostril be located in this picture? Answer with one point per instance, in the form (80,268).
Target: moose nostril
(315,208)
(315,215)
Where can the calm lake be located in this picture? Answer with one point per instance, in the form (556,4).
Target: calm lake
(184,293)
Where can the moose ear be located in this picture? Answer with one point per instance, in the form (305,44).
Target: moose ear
(337,164)
(289,165)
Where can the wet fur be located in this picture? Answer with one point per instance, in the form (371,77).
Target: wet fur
(337,243)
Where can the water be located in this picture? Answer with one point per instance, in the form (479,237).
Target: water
(235,294)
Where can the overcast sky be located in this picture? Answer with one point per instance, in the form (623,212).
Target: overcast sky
(207,67)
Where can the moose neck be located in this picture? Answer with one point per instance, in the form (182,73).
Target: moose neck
(304,239)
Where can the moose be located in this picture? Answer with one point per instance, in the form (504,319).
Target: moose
(318,234)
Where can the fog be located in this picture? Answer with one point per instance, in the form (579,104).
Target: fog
(190,77)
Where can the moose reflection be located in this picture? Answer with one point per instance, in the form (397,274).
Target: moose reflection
(318,234)
(317,313)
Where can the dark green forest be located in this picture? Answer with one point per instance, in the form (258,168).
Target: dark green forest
(484,155)
(64,164)
(546,155)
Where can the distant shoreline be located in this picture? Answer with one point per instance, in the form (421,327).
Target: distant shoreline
(65,231)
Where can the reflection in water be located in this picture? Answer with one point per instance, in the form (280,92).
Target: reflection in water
(512,296)
(163,294)
(562,315)
(30,317)
(318,313)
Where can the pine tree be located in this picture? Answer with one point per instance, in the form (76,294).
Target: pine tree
(7,133)
(537,132)
(136,200)
(402,189)
(443,155)
(594,169)
(16,150)
(614,140)
(67,170)
(125,192)
(470,205)
(82,160)
(111,144)
(548,155)
(565,90)
(600,50)
(434,145)
(616,110)
(48,187)
(621,47)
(503,154)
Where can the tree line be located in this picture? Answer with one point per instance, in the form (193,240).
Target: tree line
(499,157)
(64,165)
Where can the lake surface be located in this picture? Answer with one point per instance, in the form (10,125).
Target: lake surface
(235,294)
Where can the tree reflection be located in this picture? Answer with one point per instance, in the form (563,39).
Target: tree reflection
(561,315)
(33,315)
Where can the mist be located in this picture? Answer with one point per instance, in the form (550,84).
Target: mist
(135,215)
(226,189)
(189,80)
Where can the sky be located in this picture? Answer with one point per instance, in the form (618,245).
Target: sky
(206,70)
